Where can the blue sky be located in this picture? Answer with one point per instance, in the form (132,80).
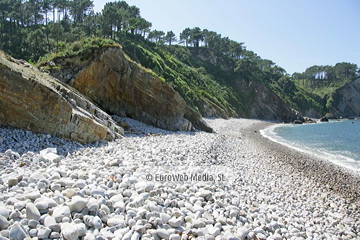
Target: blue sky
(295,34)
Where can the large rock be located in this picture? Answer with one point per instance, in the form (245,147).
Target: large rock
(346,101)
(122,87)
(324,119)
(35,101)
(262,103)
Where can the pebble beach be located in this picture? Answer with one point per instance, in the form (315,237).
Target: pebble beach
(156,184)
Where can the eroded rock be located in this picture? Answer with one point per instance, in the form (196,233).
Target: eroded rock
(124,88)
(32,100)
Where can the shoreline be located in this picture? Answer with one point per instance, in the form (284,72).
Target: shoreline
(336,178)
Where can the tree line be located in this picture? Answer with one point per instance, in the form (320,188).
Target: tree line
(30,29)
(324,76)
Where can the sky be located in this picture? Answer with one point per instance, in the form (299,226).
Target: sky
(295,34)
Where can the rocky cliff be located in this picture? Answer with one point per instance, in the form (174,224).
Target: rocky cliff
(346,101)
(122,87)
(35,101)
(262,103)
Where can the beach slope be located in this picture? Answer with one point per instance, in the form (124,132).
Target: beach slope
(232,184)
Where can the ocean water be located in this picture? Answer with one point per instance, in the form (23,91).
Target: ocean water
(336,141)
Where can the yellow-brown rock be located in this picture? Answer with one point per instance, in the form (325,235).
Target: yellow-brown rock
(32,100)
(122,87)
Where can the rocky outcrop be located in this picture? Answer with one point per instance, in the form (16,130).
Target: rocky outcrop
(308,120)
(124,88)
(346,101)
(324,119)
(262,103)
(210,109)
(32,100)
(196,119)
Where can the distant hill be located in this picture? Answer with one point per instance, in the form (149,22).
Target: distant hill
(215,75)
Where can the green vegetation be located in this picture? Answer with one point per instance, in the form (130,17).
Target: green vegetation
(193,84)
(84,47)
(203,66)
(323,81)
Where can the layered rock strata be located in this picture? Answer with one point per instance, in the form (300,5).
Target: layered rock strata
(32,100)
(122,87)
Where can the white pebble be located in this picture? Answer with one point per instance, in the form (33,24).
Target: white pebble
(77,204)
(69,231)
(32,212)
(163,233)
(97,222)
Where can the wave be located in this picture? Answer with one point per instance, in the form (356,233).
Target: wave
(336,157)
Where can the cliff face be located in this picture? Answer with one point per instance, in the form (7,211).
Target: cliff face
(262,103)
(36,101)
(346,101)
(122,87)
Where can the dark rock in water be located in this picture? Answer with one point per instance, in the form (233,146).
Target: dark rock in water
(298,122)
(33,100)
(308,120)
(324,119)
(124,88)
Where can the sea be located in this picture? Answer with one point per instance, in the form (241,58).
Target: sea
(337,141)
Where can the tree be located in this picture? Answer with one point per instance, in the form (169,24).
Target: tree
(247,69)
(79,9)
(56,33)
(196,36)
(116,18)
(185,35)
(170,37)
(145,26)
(46,6)
(33,8)
(134,12)
(236,49)
(225,45)
(286,85)
(345,70)
(66,23)
(214,40)
(156,36)
(138,25)
(205,33)
(91,24)
(142,26)
(77,33)
(36,41)
(62,7)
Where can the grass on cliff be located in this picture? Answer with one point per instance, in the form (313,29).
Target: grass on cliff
(326,92)
(194,83)
(84,47)
(201,83)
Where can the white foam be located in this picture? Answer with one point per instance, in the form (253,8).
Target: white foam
(336,158)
